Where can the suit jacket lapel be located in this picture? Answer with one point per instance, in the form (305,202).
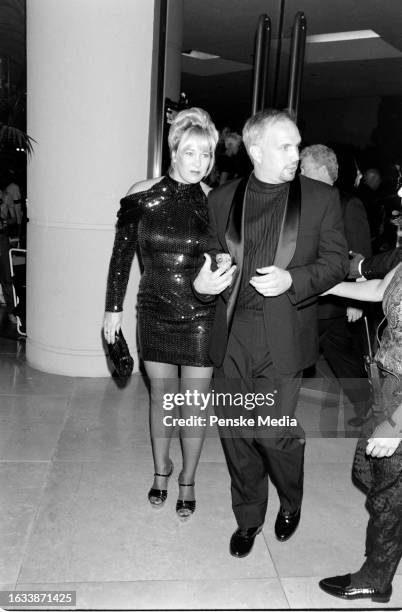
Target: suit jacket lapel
(234,237)
(290,226)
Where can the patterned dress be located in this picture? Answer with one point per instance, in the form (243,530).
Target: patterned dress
(168,223)
(384,494)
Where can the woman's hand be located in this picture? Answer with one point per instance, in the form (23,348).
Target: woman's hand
(378,446)
(111,325)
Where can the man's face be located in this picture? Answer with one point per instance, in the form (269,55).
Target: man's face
(372,179)
(276,155)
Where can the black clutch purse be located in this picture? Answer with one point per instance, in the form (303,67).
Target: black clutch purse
(120,356)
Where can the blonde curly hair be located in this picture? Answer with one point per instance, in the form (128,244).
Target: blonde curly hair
(193,122)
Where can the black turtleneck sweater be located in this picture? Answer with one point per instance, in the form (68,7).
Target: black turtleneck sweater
(265,206)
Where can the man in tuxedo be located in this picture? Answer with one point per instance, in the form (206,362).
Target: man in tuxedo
(285,238)
(340,327)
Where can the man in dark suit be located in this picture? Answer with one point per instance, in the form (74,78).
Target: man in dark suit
(285,238)
(341,333)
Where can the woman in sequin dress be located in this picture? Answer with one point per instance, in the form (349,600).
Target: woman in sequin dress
(167,219)
(383,453)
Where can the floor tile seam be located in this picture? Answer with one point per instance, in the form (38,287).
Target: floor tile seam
(150,580)
(30,394)
(31,526)
(265,539)
(129,461)
(278,576)
(35,515)
(2,461)
(67,414)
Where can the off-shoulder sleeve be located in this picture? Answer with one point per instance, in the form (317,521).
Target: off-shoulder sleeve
(125,244)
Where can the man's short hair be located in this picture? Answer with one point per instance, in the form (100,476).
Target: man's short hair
(254,127)
(322,156)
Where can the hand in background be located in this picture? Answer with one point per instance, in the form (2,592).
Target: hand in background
(354,264)
(353,314)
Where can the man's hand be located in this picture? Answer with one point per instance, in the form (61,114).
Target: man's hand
(272,281)
(354,264)
(353,314)
(211,283)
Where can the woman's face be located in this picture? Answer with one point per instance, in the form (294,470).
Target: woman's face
(191,160)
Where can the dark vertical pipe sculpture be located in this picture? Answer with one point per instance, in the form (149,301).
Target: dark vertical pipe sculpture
(261,53)
(265,64)
(156,118)
(275,91)
(296,62)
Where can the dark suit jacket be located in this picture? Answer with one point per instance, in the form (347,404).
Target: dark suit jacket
(379,265)
(357,234)
(311,246)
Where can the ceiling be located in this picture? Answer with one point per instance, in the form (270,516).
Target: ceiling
(370,67)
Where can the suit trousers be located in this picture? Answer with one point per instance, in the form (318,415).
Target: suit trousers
(343,347)
(259,448)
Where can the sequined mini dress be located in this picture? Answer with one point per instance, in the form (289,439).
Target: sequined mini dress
(168,224)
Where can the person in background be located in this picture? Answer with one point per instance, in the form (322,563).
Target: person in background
(339,321)
(369,193)
(14,192)
(234,163)
(383,453)
(7,219)
(167,217)
(376,266)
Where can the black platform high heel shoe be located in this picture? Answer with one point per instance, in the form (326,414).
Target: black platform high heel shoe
(185,508)
(157,497)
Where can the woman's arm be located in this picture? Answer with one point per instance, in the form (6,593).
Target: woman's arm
(124,248)
(125,244)
(366,291)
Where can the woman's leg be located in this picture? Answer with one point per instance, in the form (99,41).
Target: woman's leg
(164,383)
(384,529)
(194,382)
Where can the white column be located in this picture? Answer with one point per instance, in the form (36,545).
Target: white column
(89,76)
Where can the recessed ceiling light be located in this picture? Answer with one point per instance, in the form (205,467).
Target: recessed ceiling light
(339,36)
(200,55)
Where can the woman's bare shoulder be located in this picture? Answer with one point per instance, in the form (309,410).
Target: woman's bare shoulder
(206,188)
(144,185)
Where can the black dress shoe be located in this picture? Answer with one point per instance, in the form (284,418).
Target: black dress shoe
(357,421)
(340,586)
(242,541)
(286,524)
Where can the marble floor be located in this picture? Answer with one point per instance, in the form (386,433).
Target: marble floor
(75,467)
